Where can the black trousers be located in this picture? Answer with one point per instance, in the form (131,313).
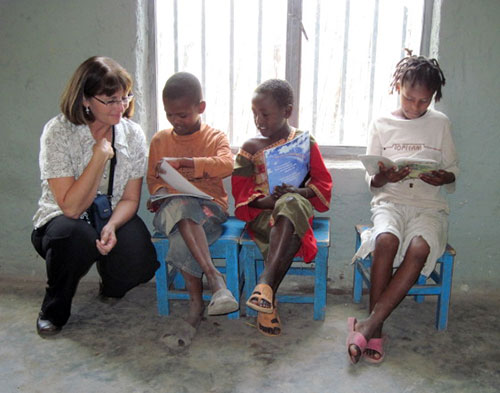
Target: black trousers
(68,247)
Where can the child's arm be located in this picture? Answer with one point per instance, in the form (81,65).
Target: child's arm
(152,179)
(449,172)
(155,183)
(438,178)
(320,181)
(388,175)
(219,160)
(244,188)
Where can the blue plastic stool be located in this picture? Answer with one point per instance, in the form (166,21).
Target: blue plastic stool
(253,264)
(438,283)
(226,247)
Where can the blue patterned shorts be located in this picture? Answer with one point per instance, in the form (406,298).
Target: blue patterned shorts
(201,211)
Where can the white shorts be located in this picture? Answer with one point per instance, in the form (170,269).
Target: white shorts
(406,222)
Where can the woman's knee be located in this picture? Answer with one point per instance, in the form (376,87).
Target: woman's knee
(76,232)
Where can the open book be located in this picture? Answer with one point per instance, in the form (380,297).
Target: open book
(288,163)
(179,182)
(416,165)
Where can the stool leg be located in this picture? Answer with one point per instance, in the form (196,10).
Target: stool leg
(232,269)
(161,278)
(179,282)
(357,287)
(321,272)
(247,257)
(357,290)
(443,305)
(421,281)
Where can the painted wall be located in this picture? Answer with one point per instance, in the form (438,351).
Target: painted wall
(43,42)
(469,53)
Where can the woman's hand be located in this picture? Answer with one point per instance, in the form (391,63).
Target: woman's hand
(108,239)
(103,147)
(437,178)
(388,175)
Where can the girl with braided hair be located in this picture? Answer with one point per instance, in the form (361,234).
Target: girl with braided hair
(409,213)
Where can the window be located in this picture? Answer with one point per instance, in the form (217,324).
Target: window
(340,54)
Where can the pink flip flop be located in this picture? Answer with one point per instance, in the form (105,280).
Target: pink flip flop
(375,344)
(355,338)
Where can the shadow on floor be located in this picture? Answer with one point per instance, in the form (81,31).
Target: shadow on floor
(117,348)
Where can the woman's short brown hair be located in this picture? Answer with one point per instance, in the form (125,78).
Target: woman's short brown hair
(96,75)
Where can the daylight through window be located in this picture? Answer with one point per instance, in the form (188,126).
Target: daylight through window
(349,50)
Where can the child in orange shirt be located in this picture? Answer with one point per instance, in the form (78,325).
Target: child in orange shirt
(203,156)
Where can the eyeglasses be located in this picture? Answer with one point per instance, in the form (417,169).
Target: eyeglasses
(124,100)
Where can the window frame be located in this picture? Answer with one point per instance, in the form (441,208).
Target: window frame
(292,72)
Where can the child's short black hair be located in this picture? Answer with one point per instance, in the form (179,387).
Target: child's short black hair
(279,89)
(183,84)
(419,69)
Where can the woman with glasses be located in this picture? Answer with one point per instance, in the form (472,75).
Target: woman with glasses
(91,148)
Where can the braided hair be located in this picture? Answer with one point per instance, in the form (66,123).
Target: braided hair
(419,70)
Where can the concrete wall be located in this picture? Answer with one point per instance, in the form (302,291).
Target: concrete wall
(469,52)
(43,42)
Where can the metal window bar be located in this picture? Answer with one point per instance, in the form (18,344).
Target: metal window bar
(176,37)
(344,69)
(317,37)
(425,43)
(231,71)
(403,33)
(293,54)
(203,47)
(259,44)
(373,59)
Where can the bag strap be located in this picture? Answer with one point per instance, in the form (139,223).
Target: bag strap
(112,166)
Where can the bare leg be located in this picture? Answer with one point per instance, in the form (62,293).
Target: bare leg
(283,245)
(386,247)
(396,290)
(194,286)
(196,240)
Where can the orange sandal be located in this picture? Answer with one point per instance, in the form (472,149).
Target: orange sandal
(261,292)
(269,324)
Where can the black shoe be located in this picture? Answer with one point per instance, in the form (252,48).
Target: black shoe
(45,328)
(111,300)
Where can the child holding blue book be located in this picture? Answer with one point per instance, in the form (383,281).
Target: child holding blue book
(279,220)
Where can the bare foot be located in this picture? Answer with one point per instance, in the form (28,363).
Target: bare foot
(261,298)
(261,303)
(195,314)
(357,339)
(371,353)
(216,281)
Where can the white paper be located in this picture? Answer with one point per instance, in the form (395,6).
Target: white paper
(179,183)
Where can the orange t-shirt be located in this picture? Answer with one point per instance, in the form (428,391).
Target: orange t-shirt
(211,152)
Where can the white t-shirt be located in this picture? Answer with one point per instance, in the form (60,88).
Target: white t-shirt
(428,137)
(66,149)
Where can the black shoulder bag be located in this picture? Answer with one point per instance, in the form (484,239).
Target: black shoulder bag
(100,211)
